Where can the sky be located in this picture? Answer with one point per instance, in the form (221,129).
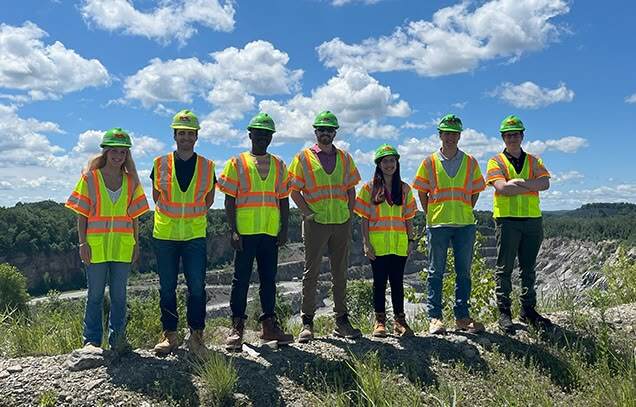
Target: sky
(389,69)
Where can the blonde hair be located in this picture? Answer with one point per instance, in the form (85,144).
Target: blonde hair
(99,161)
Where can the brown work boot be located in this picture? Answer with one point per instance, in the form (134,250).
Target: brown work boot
(400,327)
(169,342)
(307,334)
(234,341)
(271,331)
(436,327)
(344,329)
(379,329)
(195,343)
(469,325)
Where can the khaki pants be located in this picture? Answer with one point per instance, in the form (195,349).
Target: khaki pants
(337,238)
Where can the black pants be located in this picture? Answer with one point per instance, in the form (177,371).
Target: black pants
(389,267)
(264,249)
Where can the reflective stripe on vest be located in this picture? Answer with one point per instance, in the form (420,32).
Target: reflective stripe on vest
(524,205)
(387,227)
(257,210)
(326,194)
(449,201)
(181,215)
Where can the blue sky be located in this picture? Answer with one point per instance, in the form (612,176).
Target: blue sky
(69,70)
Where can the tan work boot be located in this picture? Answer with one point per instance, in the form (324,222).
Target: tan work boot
(344,329)
(271,331)
(234,341)
(307,334)
(379,329)
(436,327)
(400,327)
(168,343)
(469,325)
(195,343)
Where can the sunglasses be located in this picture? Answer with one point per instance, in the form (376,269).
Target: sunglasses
(329,130)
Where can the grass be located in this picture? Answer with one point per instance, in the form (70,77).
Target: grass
(219,378)
(48,398)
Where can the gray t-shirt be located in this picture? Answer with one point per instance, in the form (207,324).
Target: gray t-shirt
(451,165)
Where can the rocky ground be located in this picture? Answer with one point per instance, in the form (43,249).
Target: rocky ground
(267,377)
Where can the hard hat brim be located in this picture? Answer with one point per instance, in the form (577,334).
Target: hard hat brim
(507,129)
(115,145)
(326,125)
(377,159)
(181,126)
(449,129)
(261,127)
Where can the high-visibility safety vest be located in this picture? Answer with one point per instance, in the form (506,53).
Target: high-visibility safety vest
(109,232)
(449,199)
(387,223)
(257,206)
(326,194)
(181,215)
(524,205)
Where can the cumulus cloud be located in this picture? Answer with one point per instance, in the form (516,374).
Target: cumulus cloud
(529,95)
(457,39)
(631,99)
(568,176)
(373,130)
(170,20)
(44,71)
(574,198)
(570,144)
(352,95)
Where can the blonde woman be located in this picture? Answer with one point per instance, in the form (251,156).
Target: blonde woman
(108,200)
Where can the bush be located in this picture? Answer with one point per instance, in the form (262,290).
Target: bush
(13,293)
(620,279)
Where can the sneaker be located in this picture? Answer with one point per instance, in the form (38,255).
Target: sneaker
(344,329)
(469,325)
(436,327)
(234,341)
(531,317)
(379,329)
(271,331)
(195,343)
(169,343)
(505,322)
(400,327)
(307,333)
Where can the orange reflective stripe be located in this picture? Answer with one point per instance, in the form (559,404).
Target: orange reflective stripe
(530,166)
(197,187)
(469,172)
(94,186)
(244,173)
(501,160)
(307,168)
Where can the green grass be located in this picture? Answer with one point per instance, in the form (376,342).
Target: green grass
(219,378)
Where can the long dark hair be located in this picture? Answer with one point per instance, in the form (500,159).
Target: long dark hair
(377,194)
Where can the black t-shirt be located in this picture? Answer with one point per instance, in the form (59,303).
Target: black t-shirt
(516,162)
(184,170)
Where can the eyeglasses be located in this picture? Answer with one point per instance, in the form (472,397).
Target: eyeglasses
(329,130)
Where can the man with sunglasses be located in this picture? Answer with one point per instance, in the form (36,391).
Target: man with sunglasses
(323,180)
(517,178)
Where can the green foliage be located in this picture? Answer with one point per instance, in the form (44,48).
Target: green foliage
(144,319)
(48,398)
(219,377)
(620,278)
(13,294)
(359,299)
(283,311)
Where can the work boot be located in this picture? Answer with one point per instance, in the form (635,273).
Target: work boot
(379,329)
(505,322)
(436,327)
(400,327)
(271,331)
(531,317)
(168,343)
(344,329)
(469,325)
(234,341)
(196,344)
(307,334)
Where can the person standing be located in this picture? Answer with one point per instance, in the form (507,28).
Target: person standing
(256,188)
(108,200)
(323,180)
(183,191)
(387,207)
(517,178)
(448,183)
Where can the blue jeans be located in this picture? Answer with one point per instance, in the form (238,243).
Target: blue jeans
(193,255)
(440,239)
(96,276)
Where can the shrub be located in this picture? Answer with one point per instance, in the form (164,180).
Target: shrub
(13,293)
(219,377)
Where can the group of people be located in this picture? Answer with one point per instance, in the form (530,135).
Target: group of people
(321,181)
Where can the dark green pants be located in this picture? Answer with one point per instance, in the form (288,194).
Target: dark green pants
(517,238)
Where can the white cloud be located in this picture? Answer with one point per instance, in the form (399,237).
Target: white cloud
(352,95)
(420,126)
(528,95)
(459,105)
(568,176)
(171,20)
(44,71)
(574,198)
(373,130)
(457,39)
(631,99)
(570,144)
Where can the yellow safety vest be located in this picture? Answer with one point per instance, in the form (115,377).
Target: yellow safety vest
(326,194)
(181,215)
(517,206)
(387,223)
(449,199)
(257,207)
(109,231)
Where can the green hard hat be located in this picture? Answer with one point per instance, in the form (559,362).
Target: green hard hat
(262,121)
(326,119)
(511,123)
(451,123)
(185,119)
(116,137)
(383,151)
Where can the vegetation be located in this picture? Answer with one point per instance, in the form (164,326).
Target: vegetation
(219,377)
(13,294)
